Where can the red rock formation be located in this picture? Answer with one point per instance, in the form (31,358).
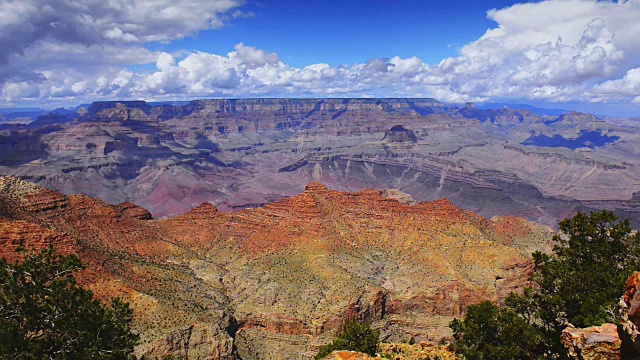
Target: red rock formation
(630,310)
(250,152)
(281,275)
(609,340)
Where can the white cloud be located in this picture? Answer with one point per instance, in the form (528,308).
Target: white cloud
(626,87)
(117,34)
(20,90)
(253,57)
(30,25)
(553,50)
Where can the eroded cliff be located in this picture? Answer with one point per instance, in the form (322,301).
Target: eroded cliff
(247,153)
(277,281)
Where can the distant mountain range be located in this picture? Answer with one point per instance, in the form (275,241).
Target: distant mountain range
(533,109)
(33,113)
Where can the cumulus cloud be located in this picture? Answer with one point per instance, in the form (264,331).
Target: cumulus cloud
(626,87)
(27,25)
(553,50)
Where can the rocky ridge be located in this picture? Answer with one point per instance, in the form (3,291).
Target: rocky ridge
(277,281)
(248,153)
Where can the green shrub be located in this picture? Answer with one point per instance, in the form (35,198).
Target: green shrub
(578,283)
(491,332)
(45,314)
(353,337)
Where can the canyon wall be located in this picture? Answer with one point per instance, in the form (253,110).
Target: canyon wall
(278,281)
(247,153)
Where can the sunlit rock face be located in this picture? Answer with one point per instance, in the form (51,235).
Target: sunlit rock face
(278,281)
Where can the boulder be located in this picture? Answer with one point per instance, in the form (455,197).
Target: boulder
(592,343)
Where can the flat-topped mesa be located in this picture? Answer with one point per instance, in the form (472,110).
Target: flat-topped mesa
(575,117)
(399,134)
(100,106)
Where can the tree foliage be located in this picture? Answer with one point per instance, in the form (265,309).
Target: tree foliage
(45,314)
(353,337)
(580,283)
(582,280)
(487,328)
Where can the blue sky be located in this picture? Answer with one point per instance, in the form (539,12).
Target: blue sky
(349,32)
(578,54)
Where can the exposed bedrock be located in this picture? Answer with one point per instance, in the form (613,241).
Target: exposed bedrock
(278,281)
(247,153)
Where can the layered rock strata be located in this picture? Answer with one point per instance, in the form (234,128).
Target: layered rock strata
(278,281)
(248,153)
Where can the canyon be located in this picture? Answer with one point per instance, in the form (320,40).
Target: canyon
(252,228)
(246,153)
(277,281)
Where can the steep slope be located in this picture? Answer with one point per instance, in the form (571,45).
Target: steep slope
(126,255)
(277,281)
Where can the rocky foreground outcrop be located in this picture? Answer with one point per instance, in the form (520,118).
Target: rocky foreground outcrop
(277,281)
(630,313)
(593,343)
(348,355)
(610,341)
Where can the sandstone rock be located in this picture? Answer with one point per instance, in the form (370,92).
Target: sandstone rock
(400,196)
(424,350)
(199,341)
(347,355)
(630,311)
(134,211)
(277,281)
(592,343)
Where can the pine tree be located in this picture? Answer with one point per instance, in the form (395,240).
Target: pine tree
(44,313)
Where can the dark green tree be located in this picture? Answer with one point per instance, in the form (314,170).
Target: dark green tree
(580,283)
(45,314)
(353,337)
(582,280)
(491,332)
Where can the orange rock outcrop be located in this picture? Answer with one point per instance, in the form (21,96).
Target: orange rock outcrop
(278,279)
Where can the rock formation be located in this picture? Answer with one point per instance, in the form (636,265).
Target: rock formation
(247,153)
(424,350)
(610,341)
(398,134)
(277,281)
(630,311)
(348,355)
(592,343)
